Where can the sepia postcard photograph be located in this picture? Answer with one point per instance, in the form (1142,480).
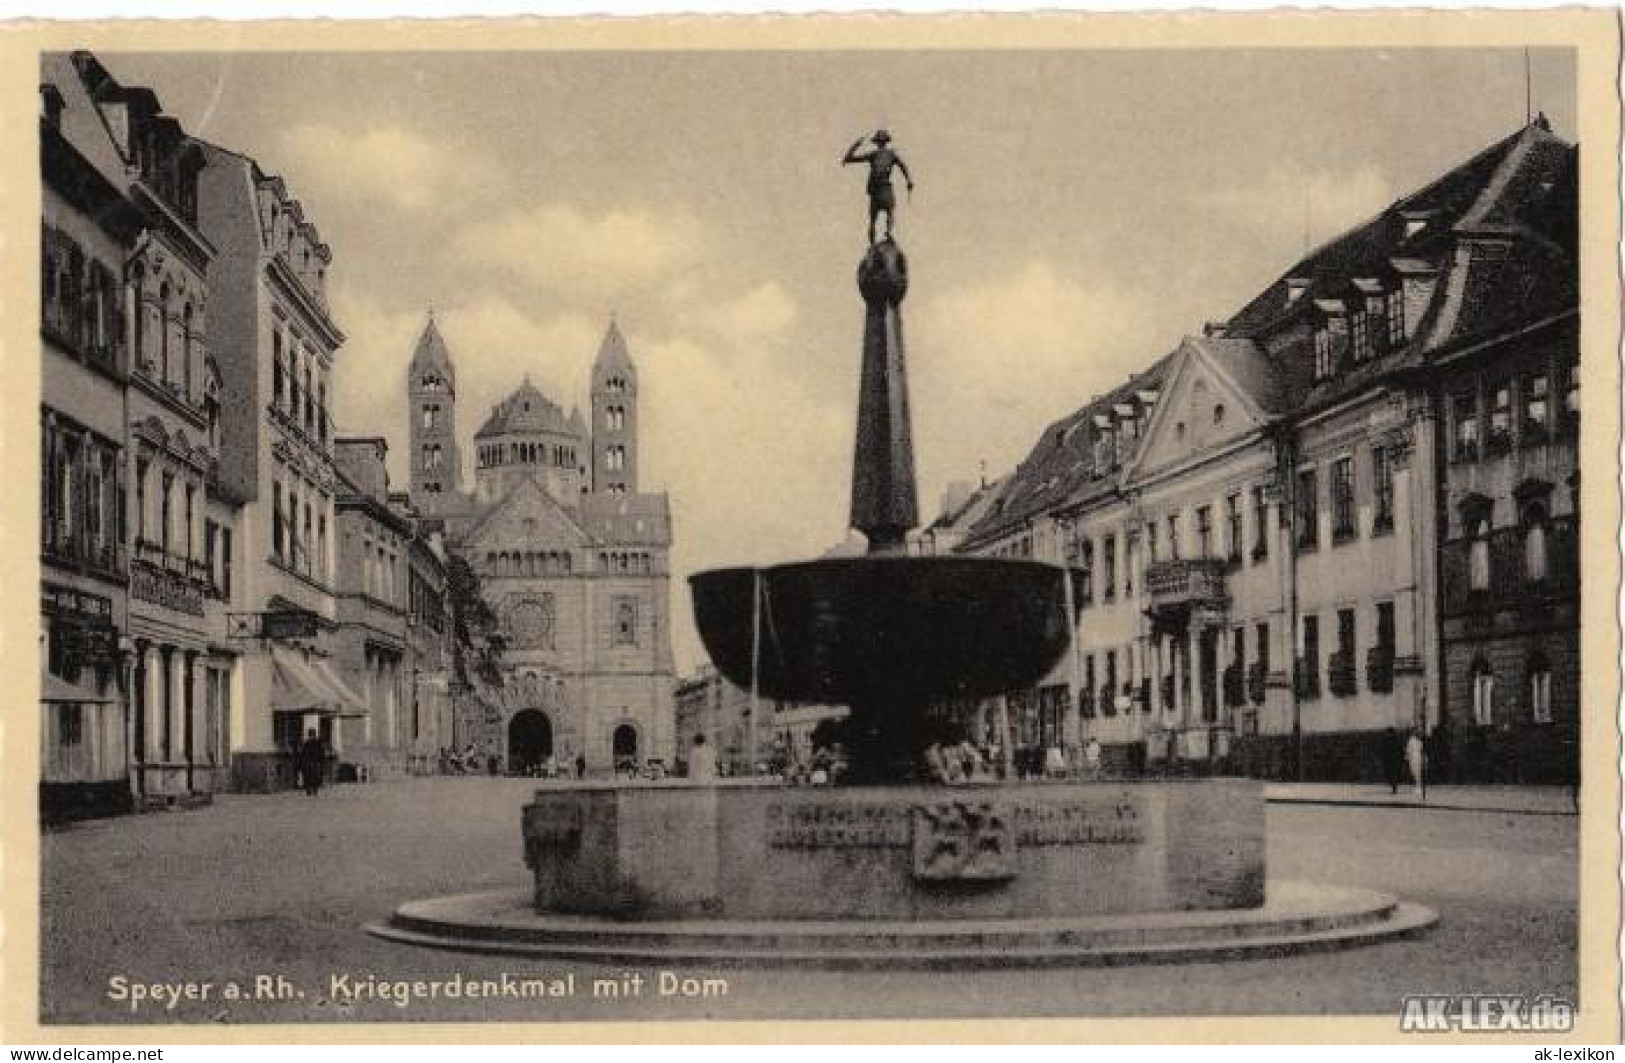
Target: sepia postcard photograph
(1085,527)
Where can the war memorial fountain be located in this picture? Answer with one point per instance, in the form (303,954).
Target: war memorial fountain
(890,868)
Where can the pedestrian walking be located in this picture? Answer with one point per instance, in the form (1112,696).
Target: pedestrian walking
(1393,755)
(581,765)
(1091,757)
(1416,760)
(312,762)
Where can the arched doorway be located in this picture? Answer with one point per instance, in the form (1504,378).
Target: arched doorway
(530,741)
(624,746)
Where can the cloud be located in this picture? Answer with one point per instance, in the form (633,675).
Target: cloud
(387,164)
(763,311)
(615,253)
(1290,199)
(996,361)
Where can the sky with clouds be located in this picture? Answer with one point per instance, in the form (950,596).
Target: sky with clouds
(1076,214)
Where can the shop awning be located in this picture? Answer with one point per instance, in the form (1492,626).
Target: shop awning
(55,689)
(298,685)
(345,700)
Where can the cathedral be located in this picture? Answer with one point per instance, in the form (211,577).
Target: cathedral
(572,556)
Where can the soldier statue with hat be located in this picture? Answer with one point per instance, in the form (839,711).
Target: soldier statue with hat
(880,160)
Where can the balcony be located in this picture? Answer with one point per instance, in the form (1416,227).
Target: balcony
(1176,587)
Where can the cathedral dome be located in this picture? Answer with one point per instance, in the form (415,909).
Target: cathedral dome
(526,411)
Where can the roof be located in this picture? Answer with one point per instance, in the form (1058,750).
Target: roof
(1060,469)
(431,352)
(526,410)
(612,353)
(1368,249)
(1498,232)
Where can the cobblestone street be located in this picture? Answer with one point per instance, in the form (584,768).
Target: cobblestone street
(283,885)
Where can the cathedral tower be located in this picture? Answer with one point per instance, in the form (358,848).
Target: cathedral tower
(431,387)
(614,416)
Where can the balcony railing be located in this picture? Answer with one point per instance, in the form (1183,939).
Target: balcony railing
(1186,582)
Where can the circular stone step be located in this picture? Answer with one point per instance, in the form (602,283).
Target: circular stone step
(1296,917)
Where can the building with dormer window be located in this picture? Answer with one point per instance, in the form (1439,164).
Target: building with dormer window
(1392,426)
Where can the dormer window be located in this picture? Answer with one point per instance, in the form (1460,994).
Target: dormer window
(1295,287)
(1415,222)
(1329,337)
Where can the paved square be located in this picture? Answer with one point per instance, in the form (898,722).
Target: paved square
(282,885)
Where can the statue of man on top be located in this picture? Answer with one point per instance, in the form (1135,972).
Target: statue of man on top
(881,159)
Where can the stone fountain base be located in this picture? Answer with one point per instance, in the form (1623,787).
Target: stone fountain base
(1075,872)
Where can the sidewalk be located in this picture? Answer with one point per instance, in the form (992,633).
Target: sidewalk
(1526,800)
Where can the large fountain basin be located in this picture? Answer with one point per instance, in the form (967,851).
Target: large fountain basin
(885,629)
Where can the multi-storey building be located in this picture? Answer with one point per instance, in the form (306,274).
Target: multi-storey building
(428,649)
(1263,516)
(571,556)
(275,341)
(372,585)
(90,224)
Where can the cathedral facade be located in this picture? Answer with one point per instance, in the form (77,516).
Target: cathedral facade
(572,558)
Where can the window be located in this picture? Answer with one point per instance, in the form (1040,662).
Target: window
(1173,536)
(1362,335)
(1308,523)
(1464,417)
(626,623)
(163,331)
(166,513)
(1151,539)
(1086,561)
(1534,544)
(1232,520)
(1108,567)
(1261,523)
(1500,435)
(1261,639)
(1309,675)
(1396,317)
(1382,490)
(1086,699)
(1483,693)
(225,563)
(279,371)
(1204,531)
(191,516)
(186,347)
(1536,407)
(1131,560)
(1324,363)
(1342,499)
(321,412)
(1540,689)
(1342,670)
(1478,555)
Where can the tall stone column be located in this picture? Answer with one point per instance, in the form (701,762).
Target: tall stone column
(884,497)
(178,704)
(153,704)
